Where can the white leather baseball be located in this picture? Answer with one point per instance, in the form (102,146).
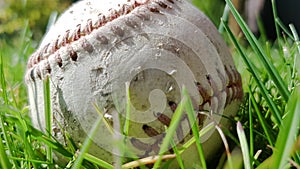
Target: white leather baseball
(155,47)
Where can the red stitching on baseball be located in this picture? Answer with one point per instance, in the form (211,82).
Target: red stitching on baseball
(69,37)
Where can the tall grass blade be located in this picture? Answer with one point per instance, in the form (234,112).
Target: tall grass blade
(4,161)
(177,153)
(255,74)
(30,154)
(48,115)
(171,131)
(275,16)
(202,132)
(244,146)
(128,104)
(225,17)
(3,82)
(296,37)
(251,139)
(284,28)
(288,131)
(195,127)
(261,119)
(282,87)
(86,144)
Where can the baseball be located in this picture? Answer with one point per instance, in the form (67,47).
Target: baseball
(101,56)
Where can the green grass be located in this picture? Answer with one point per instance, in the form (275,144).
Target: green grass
(267,126)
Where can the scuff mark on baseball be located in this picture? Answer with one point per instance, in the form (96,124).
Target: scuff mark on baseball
(155,47)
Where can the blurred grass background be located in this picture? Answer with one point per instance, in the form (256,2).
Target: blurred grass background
(22,25)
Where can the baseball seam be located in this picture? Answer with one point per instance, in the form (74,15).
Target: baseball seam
(42,55)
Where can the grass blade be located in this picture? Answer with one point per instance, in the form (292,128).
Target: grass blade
(41,137)
(3,82)
(284,28)
(274,9)
(296,37)
(261,119)
(251,139)
(255,74)
(260,53)
(244,145)
(171,131)
(226,145)
(86,144)
(195,127)
(48,115)
(225,17)
(128,110)
(4,161)
(97,161)
(288,131)
(177,153)
(202,132)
